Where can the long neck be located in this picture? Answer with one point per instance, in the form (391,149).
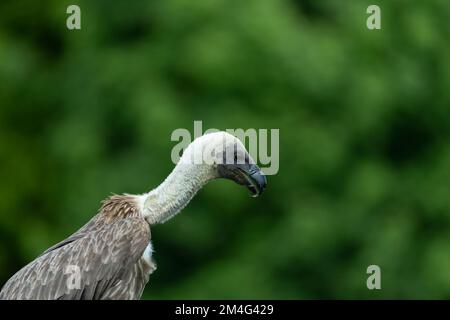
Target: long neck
(175,192)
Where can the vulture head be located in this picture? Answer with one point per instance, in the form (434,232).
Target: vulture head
(226,157)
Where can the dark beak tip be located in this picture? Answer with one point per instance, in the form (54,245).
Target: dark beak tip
(261,182)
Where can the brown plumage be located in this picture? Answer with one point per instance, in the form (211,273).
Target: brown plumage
(107,251)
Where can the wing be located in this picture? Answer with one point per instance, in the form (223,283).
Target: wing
(85,267)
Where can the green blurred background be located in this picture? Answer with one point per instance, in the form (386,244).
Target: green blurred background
(364,119)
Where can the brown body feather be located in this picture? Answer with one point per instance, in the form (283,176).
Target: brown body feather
(106,253)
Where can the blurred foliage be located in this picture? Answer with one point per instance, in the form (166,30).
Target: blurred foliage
(364,138)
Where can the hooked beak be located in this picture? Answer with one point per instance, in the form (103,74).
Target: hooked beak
(256,180)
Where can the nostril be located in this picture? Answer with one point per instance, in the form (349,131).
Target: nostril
(255,169)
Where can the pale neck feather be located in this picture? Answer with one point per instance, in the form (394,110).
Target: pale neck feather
(175,192)
(164,202)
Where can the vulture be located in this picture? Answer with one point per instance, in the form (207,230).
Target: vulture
(110,257)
